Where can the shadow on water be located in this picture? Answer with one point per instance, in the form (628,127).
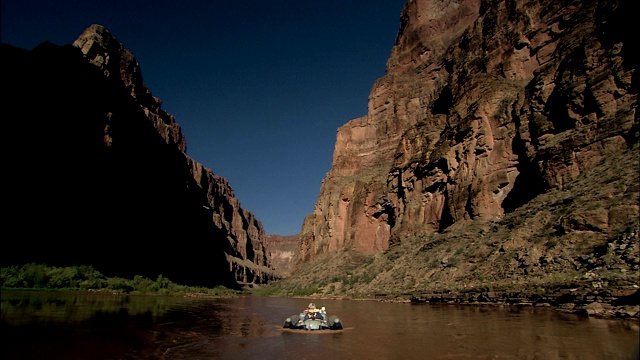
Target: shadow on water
(90,326)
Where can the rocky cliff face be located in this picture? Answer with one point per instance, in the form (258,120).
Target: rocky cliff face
(247,256)
(498,163)
(102,178)
(485,105)
(117,62)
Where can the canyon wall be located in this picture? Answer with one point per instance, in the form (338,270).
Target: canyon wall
(282,252)
(485,105)
(101,176)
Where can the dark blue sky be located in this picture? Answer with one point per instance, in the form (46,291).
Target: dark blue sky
(259,87)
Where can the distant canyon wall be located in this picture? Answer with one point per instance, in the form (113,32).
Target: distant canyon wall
(485,104)
(282,252)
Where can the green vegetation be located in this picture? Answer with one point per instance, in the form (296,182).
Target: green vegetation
(276,290)
(39,277)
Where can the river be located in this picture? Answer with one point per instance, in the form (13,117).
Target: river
(88,326)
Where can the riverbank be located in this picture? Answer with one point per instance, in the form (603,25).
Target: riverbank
(605,298)
(575,301)
(600,305)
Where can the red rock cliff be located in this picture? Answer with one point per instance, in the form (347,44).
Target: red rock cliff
(485,105)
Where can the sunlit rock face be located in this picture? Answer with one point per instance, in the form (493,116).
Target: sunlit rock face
(485,105)
(109,183)
(103,50)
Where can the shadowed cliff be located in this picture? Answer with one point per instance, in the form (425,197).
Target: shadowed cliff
(96,174)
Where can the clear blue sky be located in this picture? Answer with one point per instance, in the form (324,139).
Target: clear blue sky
(259,87)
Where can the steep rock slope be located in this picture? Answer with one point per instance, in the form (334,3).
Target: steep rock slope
(352,210)
(100,175)
(485,105)
(498,162)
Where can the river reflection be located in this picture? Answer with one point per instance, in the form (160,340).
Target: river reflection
(88,326)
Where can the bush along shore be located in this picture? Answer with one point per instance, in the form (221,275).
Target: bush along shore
(40,277)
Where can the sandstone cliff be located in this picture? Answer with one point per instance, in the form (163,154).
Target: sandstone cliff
(355,209)
(102,178)
(502,141)
(484,106)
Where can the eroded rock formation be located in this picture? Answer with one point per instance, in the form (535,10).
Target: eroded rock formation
(485,105)
(105,52)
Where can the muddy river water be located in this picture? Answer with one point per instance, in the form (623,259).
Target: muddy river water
(83,326)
